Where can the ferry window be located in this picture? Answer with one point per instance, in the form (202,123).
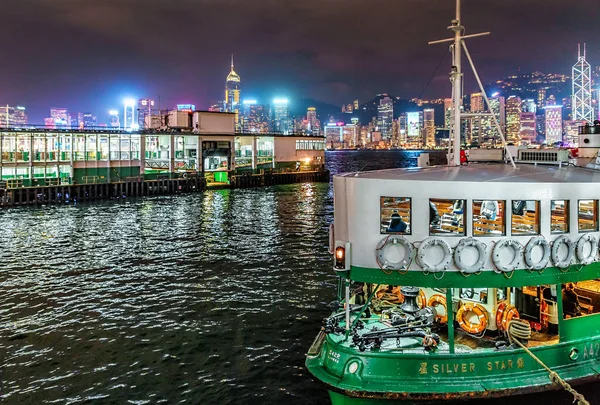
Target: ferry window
(446,217)
(474,294)
(525,217)
(587,215)
(581,298)
(395,215)
(488,218)
(559,219)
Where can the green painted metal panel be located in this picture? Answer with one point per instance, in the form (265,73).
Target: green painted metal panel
(519,278)
(221,177)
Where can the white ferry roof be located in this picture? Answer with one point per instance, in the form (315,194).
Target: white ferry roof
(523,173)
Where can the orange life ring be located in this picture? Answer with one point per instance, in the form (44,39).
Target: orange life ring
(505,314)
(470,327)
(434,301)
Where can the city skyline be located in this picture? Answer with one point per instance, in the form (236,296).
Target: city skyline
(98,52)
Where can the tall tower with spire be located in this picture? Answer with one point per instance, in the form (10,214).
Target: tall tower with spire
(232,93)
(582,88)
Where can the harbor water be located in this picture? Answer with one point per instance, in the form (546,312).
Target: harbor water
(209,298)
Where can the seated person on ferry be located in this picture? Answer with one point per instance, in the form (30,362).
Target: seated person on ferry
(490,209)
(570,298)
(457,212)
(396,223)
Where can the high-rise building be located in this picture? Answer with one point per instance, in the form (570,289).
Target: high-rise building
(280,113)
(233,93)
(255,117)
(553,119)
(582,89)
(489,131)
(129,121)
(114,119)
(60,117)
(355,104)
(414,129)
(447,113)
(541,98)
(12,116)
(145,106)
(89,120)
(513,119)
(402,129)
(529,105)
(429,127)
(340,135)
(528,133)
(477,103)
(216,106)
(314,126)
(385,116)
(571,130)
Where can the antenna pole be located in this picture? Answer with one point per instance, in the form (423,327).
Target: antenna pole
(456,78)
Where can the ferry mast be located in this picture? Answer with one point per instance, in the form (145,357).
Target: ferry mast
(456,78)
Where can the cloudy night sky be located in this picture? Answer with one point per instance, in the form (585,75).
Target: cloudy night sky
(87,55)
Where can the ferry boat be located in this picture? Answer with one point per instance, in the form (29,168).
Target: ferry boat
(464,281)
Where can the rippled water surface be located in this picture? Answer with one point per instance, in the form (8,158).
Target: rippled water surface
(208,298)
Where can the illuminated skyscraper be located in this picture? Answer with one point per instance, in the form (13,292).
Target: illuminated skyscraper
(529,105)
(489,130)
(60,117)
(145,106)
(477,102)
(281,115)
(447,112)
(255,117)
(528,131)
(429,126)
(541,98)
(129,115)
(12,117)
(582,89)
(313,121)
(385,116)
(114,119)
(232,93)
(89,121)
(553,123)
(513,119)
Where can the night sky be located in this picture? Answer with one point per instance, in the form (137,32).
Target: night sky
(87,55)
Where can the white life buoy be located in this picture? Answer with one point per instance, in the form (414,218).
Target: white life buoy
(543,262)
(459,255)
(499,262)
(581,244)
(429,260)
(394,253)
(556,245)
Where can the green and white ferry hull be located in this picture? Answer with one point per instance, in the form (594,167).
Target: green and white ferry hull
(543,237)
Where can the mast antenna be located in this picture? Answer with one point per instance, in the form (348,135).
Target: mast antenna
(457,45)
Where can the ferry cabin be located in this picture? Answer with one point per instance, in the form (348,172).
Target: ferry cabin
(38,157)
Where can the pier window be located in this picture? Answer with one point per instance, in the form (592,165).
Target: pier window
(91,147)
(525,219)
(559,216)
(135,147)
(9,147)
(587,215)
(395,215)
(39,148)
(103,146)
(79,147)
(52,147)
(125,147)
(115,153)
(64,142)
(488,218)
(23,147)
(446,217)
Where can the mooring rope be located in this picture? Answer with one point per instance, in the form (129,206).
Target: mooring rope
(554,377)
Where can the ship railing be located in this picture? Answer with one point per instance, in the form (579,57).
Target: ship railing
(90,179)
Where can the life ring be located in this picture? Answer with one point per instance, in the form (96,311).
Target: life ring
(505,314)
(517,250)
(584,240)
(443,263)
(543,262)
(434,301)
(470,327)
(459,259)
(384,253)
(558,242)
